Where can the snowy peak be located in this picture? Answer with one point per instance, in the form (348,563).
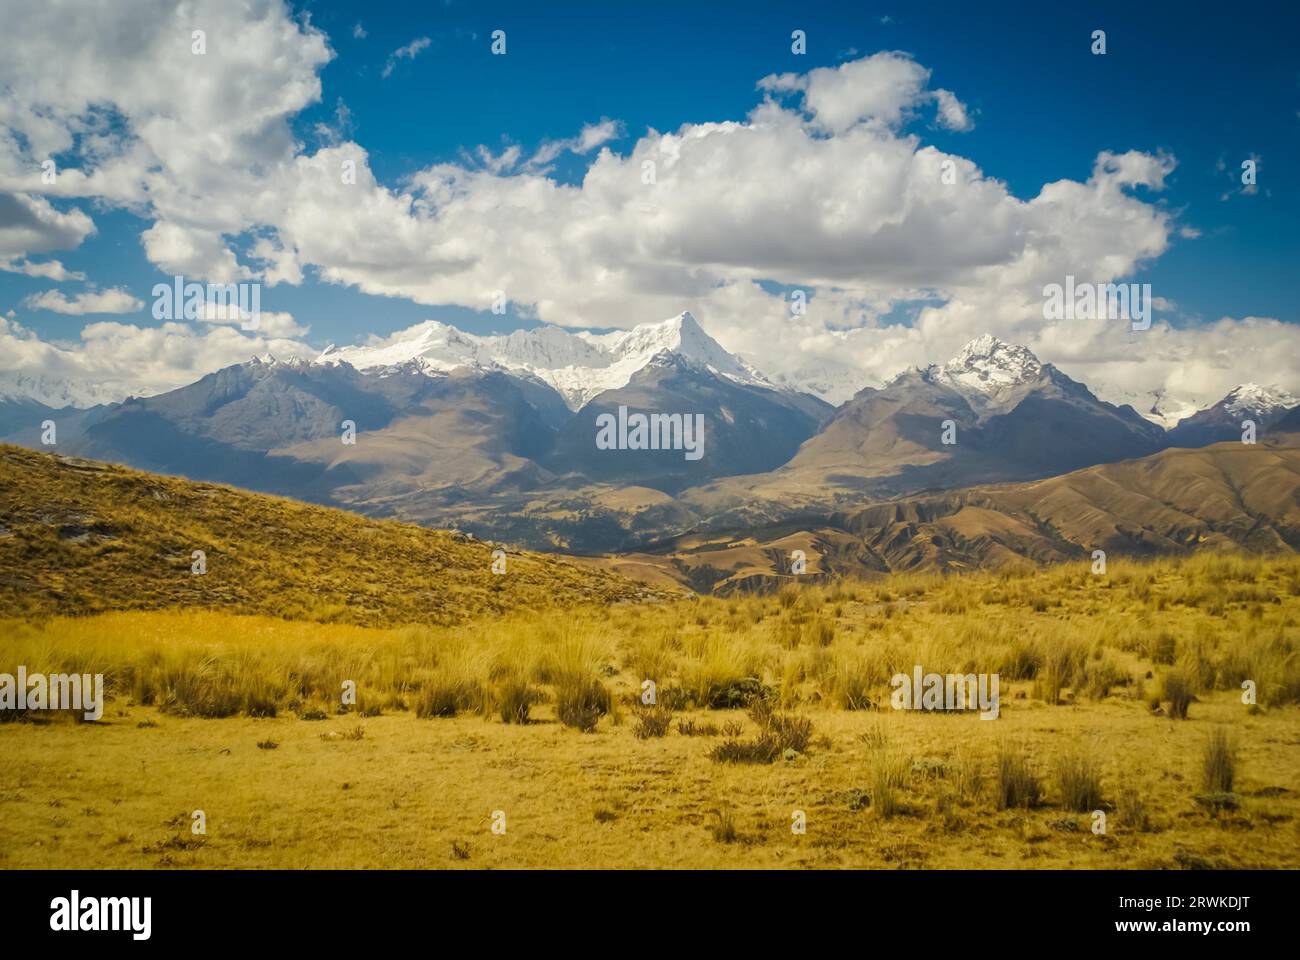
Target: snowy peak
(986,370)
(987,364)
(579,365)
(683,336)
(1251,398)
(59,392)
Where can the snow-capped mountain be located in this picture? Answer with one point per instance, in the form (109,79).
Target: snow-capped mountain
(579,366)
(986,372)
(1014,417)
(1251,399)
(988,369)
(1223,421)
(59,392)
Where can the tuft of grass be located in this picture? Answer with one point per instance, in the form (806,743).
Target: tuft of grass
(652,721)
(777,734)
(1132,809)
(1218,762)
(697,728)
(1178,693)
(514,699)
(580,702)
(1078,778)
(889,770)
(724,827)
(1017,785)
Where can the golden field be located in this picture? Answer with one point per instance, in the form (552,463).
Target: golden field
(767,705)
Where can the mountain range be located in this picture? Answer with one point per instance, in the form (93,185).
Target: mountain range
(495,435)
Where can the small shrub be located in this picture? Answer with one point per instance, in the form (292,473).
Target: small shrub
(652,722)
(694,728)
(581,701)
(777,733)
(760,750)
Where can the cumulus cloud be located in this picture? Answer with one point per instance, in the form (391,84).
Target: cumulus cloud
(91,301)
(905,251)
(45,269)
(590,137)
(883,88)
(270,323)
(185,142)
(122,359)
(952,112)
(31,224)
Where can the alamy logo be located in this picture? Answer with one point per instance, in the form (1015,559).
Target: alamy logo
(655,431)
(103,913)
(952,691)
(214,301)
(1094,301)
(58,691)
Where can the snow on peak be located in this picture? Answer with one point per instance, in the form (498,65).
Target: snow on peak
(1256,399)
(59,392)
(579,365)
(987,363)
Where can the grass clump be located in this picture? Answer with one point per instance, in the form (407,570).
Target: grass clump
(1017,785)
(1218,762)
(651,721)
(1078,777)
(1178,694)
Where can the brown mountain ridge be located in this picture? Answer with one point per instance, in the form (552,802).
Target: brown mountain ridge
(1229,496)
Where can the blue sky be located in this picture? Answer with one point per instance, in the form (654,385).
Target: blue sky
(1209,85)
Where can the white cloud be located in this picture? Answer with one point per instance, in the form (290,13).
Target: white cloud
(822,187)
(192,252)
(91,301)
(883,88)
(590,137)
(408,52)
(270,323)
(45,269)
(123,359)
(30,224)
(187,141)
(952,112)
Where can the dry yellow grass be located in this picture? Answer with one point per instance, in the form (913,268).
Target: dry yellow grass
(82,537)
(1081,660)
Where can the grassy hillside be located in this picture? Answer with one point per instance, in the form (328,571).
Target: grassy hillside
(1227,497)
(78,537)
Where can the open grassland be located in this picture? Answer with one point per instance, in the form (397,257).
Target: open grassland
(1120,692)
